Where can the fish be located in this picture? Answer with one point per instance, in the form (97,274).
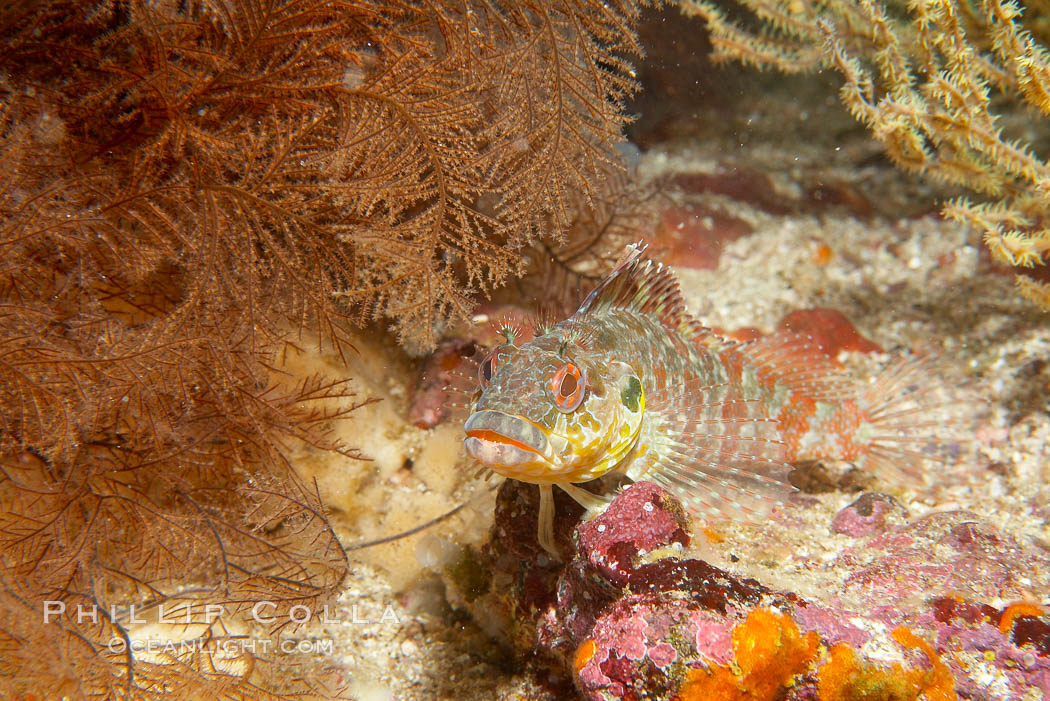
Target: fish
(632,382)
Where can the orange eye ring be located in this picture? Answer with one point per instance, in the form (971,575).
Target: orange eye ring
(568,387)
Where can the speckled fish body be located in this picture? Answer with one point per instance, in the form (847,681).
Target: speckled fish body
(632,382)
(616,353)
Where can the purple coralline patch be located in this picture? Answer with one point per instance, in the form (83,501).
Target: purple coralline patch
(833,625)
(662,654)
(867,515)
(945,552)
(639,640)
(640,520)
(627,634)
(712,636)
(1018,665)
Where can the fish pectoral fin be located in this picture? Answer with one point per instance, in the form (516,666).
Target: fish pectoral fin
(720,455)
(588,500)
(738,490)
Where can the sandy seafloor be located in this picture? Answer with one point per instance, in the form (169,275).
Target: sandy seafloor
(906,282)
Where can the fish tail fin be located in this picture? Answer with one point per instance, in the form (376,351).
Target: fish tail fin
(914,424)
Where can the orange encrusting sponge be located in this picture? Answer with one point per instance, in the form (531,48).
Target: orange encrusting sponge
(768,650)
(770,654)
(846,678)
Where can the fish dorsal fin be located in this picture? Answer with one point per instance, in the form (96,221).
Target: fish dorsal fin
(644,286)
(798,363)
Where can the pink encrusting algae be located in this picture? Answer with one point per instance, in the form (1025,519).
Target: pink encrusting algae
(632,382)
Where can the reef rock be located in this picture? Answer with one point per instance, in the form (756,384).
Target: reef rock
(628,615)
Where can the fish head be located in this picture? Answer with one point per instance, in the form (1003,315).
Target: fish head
(544,416)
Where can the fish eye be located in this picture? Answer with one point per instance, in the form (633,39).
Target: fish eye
(488,367)
(568,386)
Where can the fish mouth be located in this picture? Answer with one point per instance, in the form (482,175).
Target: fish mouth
(498,439)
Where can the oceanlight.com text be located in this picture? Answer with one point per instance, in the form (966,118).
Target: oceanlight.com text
(229,647)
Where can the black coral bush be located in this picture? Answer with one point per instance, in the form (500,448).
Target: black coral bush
(186,187)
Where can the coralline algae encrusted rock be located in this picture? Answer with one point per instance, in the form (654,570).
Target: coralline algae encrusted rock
(640,520)
(629,616)
(869,514)
(946,552)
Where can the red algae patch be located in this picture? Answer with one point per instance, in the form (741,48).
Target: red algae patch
(830,329)
(693,236)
